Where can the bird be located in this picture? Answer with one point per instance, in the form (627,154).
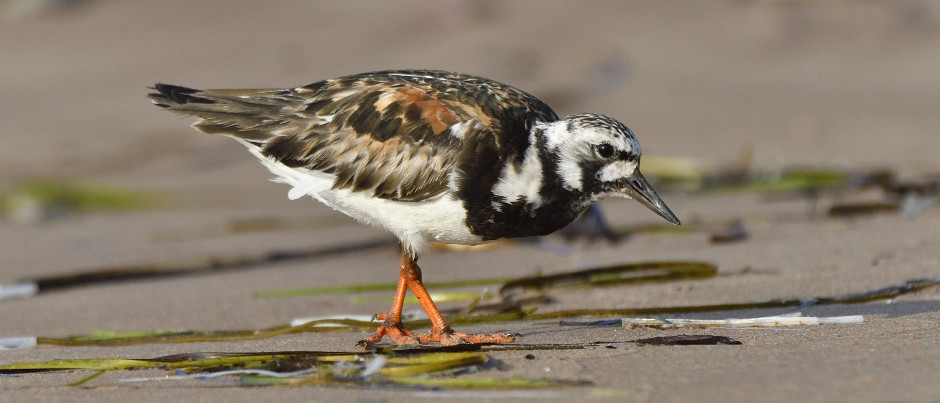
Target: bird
(430,156)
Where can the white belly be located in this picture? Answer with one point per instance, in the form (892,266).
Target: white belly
(442,219)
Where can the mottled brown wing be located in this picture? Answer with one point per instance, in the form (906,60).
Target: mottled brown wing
(393,141)
(505,110)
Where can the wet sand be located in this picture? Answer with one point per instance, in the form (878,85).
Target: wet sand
(841,85)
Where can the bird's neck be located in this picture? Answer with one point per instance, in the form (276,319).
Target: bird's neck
(513,189)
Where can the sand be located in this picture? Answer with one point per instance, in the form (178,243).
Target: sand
(839,85)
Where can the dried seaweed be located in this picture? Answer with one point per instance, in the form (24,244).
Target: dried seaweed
(515,295)
(519,313)
(304,368)
(687,340)
(854,209)
(907,197)
(211,264)
(99,338)
(371,287)
(635,273)
(687,175)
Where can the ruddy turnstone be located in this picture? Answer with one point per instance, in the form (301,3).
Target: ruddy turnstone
(429,156)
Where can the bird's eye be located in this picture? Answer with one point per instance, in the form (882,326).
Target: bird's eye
(605,150)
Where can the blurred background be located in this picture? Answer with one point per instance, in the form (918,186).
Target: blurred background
(846,84)
(95,181)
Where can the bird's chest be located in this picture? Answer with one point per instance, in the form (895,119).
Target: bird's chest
(517,219)
(503,199)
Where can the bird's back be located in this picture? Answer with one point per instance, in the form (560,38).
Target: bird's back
(398,134)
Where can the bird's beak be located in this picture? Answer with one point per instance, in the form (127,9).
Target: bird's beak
(640,190)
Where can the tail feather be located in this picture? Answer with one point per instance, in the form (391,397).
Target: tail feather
(227,112)
(170,96)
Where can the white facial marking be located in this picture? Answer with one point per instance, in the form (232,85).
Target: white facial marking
(616,170)
(575,142)
(524,183)
(559,141)
(571,175)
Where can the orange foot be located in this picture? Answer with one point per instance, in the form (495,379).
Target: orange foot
(440,331)
(447,337)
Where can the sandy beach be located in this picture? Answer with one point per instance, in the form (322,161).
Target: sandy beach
(765,86)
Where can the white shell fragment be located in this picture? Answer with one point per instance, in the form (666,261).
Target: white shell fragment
(767,321)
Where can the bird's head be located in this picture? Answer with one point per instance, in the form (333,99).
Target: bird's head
(599,157)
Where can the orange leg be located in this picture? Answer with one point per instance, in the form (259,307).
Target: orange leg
(410,278)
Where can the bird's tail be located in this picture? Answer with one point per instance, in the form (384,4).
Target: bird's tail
(250,115)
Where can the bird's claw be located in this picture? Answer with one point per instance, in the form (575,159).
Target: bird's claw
(401,336)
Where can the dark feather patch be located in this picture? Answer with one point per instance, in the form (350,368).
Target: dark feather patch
(174,94)
(287,149)
(389,127)
(364,118)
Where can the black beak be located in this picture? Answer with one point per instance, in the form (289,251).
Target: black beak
(640,190)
